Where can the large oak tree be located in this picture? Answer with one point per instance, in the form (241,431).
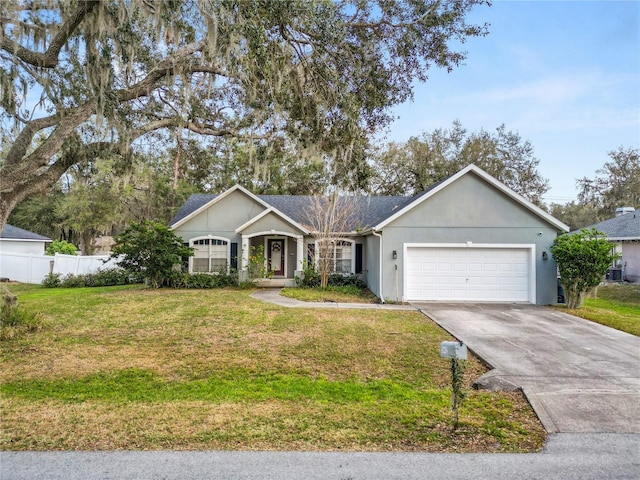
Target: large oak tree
(84,78)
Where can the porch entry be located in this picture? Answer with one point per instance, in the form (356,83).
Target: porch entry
(276,255)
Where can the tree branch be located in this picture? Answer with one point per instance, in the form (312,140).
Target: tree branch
(388,23)
(23,142)
(164,68)
(49,58)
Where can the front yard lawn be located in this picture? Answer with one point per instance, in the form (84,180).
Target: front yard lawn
(614,305)
(135,368)
(337,294)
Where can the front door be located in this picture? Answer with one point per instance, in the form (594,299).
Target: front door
(275,251)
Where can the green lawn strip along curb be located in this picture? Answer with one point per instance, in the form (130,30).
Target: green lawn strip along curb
(144,386)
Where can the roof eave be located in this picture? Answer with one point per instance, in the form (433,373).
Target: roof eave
(7,239)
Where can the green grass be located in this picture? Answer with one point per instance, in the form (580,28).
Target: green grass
(337,294)
(135,368)
(616,306)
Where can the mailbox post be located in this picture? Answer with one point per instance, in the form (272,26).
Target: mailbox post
(455,351)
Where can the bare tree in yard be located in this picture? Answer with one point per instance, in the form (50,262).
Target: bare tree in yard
(83,79)
(330,219)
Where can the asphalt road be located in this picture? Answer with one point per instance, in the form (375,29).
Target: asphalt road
(565,457)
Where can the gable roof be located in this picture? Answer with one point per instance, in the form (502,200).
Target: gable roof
(9,232)
(278,214)
(199,202)
(623,227)
(293,208)
(472,169)
(374,212)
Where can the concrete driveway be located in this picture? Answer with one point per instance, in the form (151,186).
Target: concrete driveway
(579,376)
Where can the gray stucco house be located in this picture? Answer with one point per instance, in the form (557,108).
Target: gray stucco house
(467,238)
(624,232)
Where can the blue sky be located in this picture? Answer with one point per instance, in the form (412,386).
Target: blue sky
(564,74)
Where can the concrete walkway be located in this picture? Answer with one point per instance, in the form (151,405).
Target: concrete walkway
(272,295)
(579,376)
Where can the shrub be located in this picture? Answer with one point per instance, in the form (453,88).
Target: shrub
(206,280)
(310,276)
(311,279)
(583,259)
(114,276)
(103,278)
(51,280)
(151,250)
(257,266)
(339,280)
(14,320)
(61,246)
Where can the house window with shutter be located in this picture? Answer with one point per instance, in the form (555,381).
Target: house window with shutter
(210,255)
(338,255)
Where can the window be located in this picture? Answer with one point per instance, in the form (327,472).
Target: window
(210,255)
(338,255)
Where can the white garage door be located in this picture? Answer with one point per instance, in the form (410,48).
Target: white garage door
(467,274)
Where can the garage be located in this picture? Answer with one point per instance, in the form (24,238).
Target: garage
(466,272)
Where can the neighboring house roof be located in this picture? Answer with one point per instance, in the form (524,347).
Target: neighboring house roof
(9,232)
(374,212)
(623,227)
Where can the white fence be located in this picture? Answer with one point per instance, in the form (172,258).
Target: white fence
(27,268)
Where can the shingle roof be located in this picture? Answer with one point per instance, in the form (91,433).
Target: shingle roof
(372,210)
(622,227)
(9,232)
(369,211)
(193,203)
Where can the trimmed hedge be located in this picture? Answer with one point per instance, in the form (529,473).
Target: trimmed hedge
(206,280)
(119,276)
(311,279)
(103,278)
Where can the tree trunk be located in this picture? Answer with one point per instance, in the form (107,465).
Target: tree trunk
(324,278)
(7,204)
(573,297)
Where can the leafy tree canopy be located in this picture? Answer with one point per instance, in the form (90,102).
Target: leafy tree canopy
(617,184)
(60,246)
(411,167)
(575,214)
(115,73)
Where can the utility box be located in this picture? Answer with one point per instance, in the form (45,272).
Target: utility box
(453,350)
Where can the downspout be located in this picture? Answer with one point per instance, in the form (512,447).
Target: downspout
(379,235)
